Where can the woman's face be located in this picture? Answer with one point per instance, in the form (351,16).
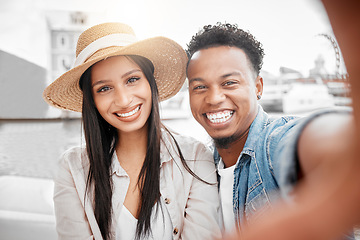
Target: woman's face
(121,93)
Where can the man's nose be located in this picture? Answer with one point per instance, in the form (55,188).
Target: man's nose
(215,96)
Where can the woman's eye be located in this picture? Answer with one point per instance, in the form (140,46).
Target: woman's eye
(133,79)
(103,89)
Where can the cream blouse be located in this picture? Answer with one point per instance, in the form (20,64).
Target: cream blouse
(193,206)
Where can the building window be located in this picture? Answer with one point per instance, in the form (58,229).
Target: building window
(62,41)
(64,63)
(78,18)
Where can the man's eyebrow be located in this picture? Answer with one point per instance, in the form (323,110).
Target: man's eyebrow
(236,73)
(195,80)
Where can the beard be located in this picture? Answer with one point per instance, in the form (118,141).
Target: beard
(224,143)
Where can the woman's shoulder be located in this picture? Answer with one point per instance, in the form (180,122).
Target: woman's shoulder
(75,157)
(72,170)
(74,152)
(187,144)
(185,140)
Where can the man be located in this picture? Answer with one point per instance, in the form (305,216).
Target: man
(256,155)
(330,205)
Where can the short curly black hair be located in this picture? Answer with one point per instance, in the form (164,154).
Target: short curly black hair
(225,34)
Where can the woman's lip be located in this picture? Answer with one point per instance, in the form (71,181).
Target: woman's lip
(128,112)
(132,117)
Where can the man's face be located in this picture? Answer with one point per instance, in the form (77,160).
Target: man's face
(223,89)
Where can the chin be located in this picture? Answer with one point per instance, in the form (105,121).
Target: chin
(224,142)
(219,134)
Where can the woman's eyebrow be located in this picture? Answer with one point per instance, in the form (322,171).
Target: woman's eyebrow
(130,72)
(123,76)
(100,82)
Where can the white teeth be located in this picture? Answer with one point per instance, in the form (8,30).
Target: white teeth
(128,113)
(219,117)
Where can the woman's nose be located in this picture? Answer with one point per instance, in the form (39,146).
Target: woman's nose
(122,98)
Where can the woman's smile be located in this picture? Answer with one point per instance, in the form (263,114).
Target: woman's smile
(130,115)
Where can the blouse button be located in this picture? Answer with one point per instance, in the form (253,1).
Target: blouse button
(176,231)
(167,201)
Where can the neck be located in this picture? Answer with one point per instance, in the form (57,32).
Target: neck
(131,149)
(231,153)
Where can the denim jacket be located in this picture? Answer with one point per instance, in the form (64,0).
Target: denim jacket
(255,175)
(268,162)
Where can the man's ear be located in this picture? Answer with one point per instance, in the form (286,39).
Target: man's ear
(259,86)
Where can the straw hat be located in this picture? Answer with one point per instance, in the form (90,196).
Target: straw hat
(112,39)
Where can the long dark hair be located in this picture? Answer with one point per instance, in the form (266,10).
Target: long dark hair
(98,131)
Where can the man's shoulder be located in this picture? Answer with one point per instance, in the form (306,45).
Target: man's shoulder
(266,125)
(277,127)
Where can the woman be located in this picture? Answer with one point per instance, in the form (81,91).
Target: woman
(134,179)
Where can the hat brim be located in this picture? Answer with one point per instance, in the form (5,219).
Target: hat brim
(168,57)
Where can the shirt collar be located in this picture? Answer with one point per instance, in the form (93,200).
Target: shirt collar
(116,167)
(167,148)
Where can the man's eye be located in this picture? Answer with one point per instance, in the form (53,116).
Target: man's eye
(199,87)
(133,79)
(103,89)
(228,83)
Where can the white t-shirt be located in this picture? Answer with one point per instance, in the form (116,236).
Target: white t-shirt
(161,226)
(226,195)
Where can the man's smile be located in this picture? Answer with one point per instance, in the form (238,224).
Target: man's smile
(219,117)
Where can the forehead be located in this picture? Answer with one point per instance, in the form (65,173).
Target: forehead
(120,60)
(113,65)
(218,60)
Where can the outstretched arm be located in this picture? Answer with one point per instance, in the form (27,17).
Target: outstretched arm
(337,140)
(328,197)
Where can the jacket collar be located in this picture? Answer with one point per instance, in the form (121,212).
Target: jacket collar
(256,127)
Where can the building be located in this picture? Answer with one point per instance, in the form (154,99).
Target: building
(22,83)
(65,28)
